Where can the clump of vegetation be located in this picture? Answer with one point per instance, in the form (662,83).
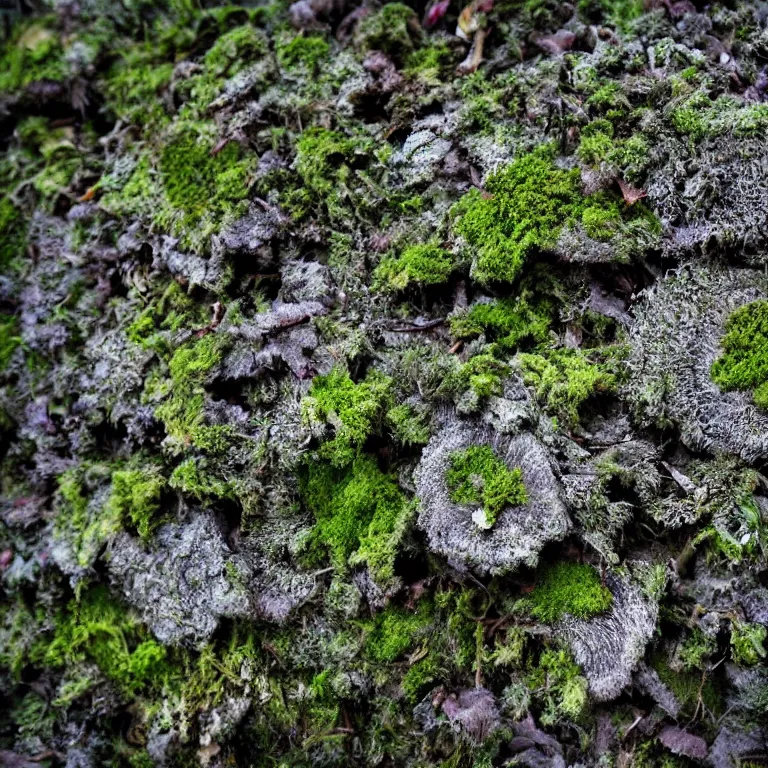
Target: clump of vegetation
(34,53)
(98,629)
(747,643)
(564,379)
(424,264)
(9,338)
(744,362)
(182,412)
(410,424)
(395,29)
(136,496)
(523,209)
(12,233)
(508,322)
(394,631)
(481,376)
(571,589)
(558,686)
(361,515)
(303,52)
(478,476)
(354,411)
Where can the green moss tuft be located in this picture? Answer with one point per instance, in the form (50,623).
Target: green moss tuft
(744,362)
(522,210)
(747,643)
(33,53)
(135,497)
(13,234)
(9,338)
(568,588)
(478,476)
(564,379)
(395,29)
(558,686)
(410,424)
(361,515)
(394,631)
(303,52)
(424,264)
(353,410)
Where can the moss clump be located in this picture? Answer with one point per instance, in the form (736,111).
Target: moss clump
(424,264)
(478,476)
(200,183)
(410,424)
(136,496)
(100,630)
(361,515)
(195,478)
(558,686)
(394,632)
(568,588)
(744,362)
(564,379)
(133,90)
(182,412)
(353,410)
(33,53)
(395,29)
(747,643)
(9,338)
(481,375)
(303,52)
(13,233)
(523,209)
(509,322)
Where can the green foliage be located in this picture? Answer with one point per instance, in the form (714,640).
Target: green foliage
(410,424)
(100,630)
(303,52)
(558,686)
(353,410)
(84,526)
(424,264)
(523,209)
(568,588)
(428,62)
(482,375)
(564,379)
(9,338)
(361,515)
(395,29)
(696,649)
(509,322)
(744,362)
(133,89)
(33,53)
(135,498)
(478,476)
(13,234)
(182,412)
(747,643)
(195,478)
(395,631)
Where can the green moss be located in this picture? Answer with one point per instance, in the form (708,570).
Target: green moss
(136,496)
(410,424)
(595,147)
(744,362)
(689,687)
(33,53)
(81,524)
(196,478)
(601,221)
(133,90)
(747,643)
(558,687)
(523,209)
(564,379)
(696,649)
(568,588)
(395,29)
(421,676)
(353,410)
(395,631)
(9,338)
(100,630)
(482,375)
(182,412)
(303,52)
(361,515)
(509,322)
(424,264)
(13,234)
(478,476)
(428,63)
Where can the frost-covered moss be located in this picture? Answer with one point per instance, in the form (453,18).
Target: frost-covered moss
(478,476)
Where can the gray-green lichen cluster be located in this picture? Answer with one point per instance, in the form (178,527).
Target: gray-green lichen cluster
(383,384)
